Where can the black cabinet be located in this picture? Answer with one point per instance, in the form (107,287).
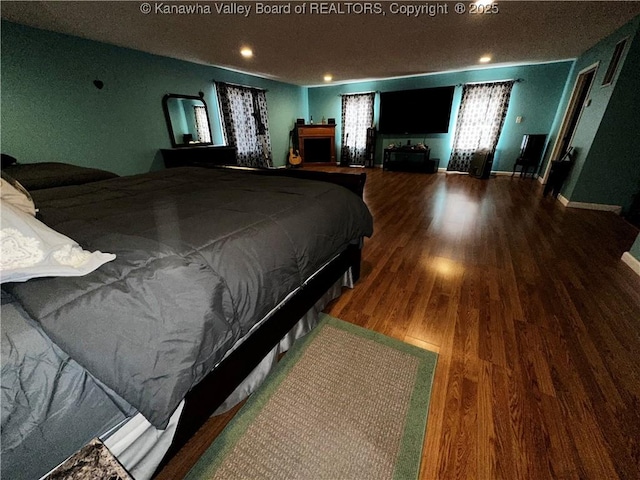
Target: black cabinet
(205,156)
(558,174)
(633,215)
(409,160)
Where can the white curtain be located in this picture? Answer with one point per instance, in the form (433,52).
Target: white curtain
(357,116)
(480,120)
(202,123)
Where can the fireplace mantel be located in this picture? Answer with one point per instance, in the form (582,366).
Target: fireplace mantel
(317,143)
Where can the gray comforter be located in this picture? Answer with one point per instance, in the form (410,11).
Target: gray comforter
(50,405)
(202,255)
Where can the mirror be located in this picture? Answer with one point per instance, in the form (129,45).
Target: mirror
(187,120)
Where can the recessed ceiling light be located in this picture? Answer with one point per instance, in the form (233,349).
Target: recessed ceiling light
(483,3)
(328,78)
(246,52)
(485,59)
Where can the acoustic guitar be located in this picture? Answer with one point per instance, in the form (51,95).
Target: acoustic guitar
(295,160)
(294,157)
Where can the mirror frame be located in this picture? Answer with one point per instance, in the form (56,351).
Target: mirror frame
(167,116)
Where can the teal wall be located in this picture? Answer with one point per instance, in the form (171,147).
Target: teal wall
(536,99)
(189,118)
(635,249)
(607,169)
(51,111)
(611,171)
(178,119)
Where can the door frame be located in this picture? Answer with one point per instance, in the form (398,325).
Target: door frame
(570,110)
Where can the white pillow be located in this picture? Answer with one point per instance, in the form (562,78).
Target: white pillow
(13,192)
(30,249)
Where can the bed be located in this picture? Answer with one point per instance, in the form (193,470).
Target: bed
(215,272)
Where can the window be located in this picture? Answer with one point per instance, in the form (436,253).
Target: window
(357,117)
(202,124)
(246,124)
(613,64)
(480,120)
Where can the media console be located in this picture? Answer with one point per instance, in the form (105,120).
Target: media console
(409,160)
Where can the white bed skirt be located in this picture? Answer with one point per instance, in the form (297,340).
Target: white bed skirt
(300,329)
(140,447)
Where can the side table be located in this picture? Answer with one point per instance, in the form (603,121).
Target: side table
(94,461)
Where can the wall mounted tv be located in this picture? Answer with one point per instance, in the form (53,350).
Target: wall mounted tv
(421,111)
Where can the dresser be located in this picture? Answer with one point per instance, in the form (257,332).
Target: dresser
(204,156)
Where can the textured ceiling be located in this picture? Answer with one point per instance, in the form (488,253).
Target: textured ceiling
(342,39)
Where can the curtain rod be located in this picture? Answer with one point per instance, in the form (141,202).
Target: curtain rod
(358,93)
(515,80)
(242,86)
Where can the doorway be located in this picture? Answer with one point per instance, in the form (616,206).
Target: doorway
(579,100)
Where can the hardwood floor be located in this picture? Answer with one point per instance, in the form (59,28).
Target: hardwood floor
(535,318)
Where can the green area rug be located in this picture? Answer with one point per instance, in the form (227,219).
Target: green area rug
(344,403)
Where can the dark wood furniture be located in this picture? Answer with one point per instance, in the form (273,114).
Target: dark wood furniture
(633,215)
(204,156)
(36,176)
(409,160)
(206,396)
(317,143)
(353,182)
(531,151)
(94,460)
(558,174)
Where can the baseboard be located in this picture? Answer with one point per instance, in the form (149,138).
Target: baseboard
(504,173)
(494,173)
(617,209)
(563,200)
(632,261)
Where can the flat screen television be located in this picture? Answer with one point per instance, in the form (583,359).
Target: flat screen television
(421,111)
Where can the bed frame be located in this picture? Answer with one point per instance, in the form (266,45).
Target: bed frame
(211,392)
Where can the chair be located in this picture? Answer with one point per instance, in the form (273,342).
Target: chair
(531,151)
